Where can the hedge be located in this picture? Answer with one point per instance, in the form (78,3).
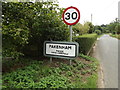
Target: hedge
(85,42)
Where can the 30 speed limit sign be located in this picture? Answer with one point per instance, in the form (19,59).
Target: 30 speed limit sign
(71,15)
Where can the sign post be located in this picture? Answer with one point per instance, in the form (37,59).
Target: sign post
(71,16)
(68,50)
(70,39)
(70,33)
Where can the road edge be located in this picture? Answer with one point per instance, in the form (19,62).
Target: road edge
(100,82)
(100,77)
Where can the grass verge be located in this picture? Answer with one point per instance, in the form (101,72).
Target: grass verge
(100,35)
(115,35)
(41,74)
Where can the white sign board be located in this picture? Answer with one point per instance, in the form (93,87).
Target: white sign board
(61,49)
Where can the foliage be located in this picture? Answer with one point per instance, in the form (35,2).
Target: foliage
(115,35)
(52,81)
(15,31)
(48,26)
(85,42)
(91,27)
(103,29)
(87,27)
(39,75)
(113,27)
(87,57)
(98,32)
(117,28)
(27,25)
(97,27)
(77,28)
(83,29)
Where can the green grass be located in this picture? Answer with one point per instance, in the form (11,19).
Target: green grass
(88,35)
(100,35)
(115,35)
(91,82)
(38,74)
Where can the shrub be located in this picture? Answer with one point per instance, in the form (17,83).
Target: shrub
(85,42)
(27,25)
(98,32)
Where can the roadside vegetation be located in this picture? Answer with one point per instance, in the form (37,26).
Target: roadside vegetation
(115,35)
(58,74)
(25,27)
(114,27)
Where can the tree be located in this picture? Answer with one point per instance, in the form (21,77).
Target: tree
(77,29)
(81,29)
(27,25)
(98,32)
(117,28)
(91,27)
(86,27)
(113,27)
(15,31)
(48,26)
(104,29)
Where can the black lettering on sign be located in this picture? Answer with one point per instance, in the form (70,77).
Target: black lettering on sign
(50,46)
(60,47)
(69,47)
(74,15)
(68,16)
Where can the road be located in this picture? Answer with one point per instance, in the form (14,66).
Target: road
(106,51)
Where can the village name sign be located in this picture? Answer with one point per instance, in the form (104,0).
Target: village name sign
(61,49)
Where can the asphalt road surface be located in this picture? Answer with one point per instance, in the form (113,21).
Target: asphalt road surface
(106,51)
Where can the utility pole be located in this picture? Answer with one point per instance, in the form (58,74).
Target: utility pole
(91,18)
(119,11)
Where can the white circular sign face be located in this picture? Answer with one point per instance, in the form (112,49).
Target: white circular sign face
(71,15)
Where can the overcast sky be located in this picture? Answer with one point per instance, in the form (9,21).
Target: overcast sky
(103,11)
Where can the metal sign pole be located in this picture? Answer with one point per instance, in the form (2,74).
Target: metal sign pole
(70,38)
(70,33)
(50,59)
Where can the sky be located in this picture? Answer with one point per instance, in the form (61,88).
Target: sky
(103,11)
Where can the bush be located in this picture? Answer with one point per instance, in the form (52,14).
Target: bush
(27,25)
(98,32)
(85,42)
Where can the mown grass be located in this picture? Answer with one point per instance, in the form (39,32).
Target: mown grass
(100,35)
(41,74)
(88,35)
(115,35)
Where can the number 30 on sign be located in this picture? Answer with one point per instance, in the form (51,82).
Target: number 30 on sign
(71,15)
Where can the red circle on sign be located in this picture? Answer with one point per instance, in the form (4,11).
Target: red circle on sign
(77,18)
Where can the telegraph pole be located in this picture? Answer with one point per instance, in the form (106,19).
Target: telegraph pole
(91,18)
